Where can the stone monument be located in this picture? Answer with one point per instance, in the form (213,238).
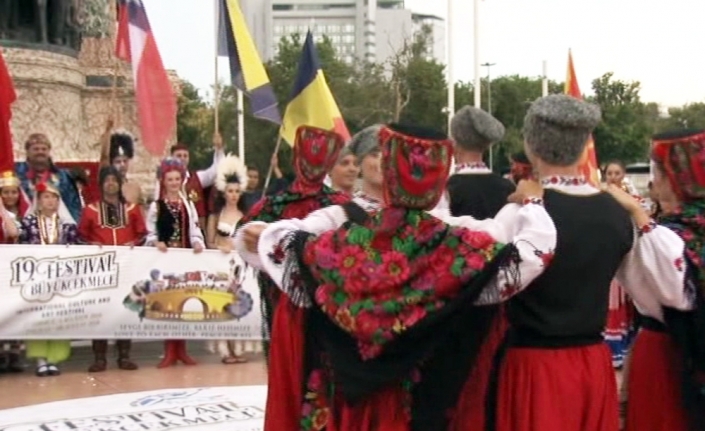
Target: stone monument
(61,57)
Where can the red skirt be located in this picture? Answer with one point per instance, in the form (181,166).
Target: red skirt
(285,379)
(654,385)
(569,389)
(469,413)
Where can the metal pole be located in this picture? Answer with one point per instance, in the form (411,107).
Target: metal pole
(476,30)
(489,105)
(449,64)
(241,126)
(544,81)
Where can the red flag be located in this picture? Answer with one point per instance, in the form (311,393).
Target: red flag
(588,165)
(7,98)
(156,102)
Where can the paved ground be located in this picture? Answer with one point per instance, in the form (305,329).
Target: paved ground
(75,382)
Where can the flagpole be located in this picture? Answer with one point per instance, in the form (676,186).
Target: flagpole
(113,94)
(476,29)
(449,64)
(271,168)
(241,125)
(216,88)
(544,81)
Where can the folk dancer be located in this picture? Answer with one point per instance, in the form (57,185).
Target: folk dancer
(11,350)
(118,149)
(172,221)
(222,223)
(520,167)
(315,152)
(382,310)
(474,190)
(45,226)
(112,221)
(621,319)
(344,175)
(39,169)
(555,372)
(197,183)
(666,380)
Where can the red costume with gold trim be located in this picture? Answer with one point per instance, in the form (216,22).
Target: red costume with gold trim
(195,193)
(128,228)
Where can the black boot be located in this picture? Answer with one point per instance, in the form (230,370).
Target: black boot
(100,348)
(124,362)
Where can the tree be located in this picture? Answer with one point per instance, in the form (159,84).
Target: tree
(624,133)
(192,126)
(690,116)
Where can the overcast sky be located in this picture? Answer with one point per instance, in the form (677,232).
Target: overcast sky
(654,42)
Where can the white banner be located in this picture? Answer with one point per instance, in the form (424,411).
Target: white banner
(228,408)
(90,292)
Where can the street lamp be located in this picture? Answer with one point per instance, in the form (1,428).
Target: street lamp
(489,105)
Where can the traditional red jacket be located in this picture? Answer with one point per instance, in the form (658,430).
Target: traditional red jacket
(130,227)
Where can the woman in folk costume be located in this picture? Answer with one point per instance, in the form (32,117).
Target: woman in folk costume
(658,372)
(345,173)
(229,183)
(555,371)
(620,326)
(520,167)
(10,351)
(45,226)
(13,198)
(384,299)
(172,222)
(315,152)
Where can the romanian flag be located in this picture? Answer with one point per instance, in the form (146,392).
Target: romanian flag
(246,69)
(588,165)
(312,103)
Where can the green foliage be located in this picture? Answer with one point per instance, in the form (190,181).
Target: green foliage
(410,87)
(625,131)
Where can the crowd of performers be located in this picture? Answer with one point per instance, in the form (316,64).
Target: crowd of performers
(425,301)
(42,204)
(400,296)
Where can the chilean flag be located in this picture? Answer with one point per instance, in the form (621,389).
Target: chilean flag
(156,102)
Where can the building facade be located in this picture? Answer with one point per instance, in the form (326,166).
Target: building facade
(369,30)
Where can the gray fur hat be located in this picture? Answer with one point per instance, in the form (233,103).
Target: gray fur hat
(365,142)
(473,129)
(344,152)
(557,127)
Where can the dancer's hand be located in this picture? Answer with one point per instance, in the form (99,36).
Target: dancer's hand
(525,190)
(197,248)
(625,199)
(161,246)
(251,236)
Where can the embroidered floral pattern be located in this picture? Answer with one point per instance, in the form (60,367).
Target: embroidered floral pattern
(290,204)
(532,200)
(474,166)
(381,278)
(689,224)
(560,180)
(175,208)
(651,225)
(315,411)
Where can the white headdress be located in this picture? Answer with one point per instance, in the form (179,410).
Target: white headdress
(230,170)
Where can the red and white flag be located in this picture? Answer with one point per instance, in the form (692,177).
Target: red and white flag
(156,102)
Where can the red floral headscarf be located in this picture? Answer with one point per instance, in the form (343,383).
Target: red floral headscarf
(415,165)
(681,154)
(170,164)
(521,168)
(315,153)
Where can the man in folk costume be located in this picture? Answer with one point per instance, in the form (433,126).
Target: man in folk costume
(315,152)
(39,169)
(365,146)
(172,222)
(112,221)
(46,226)
(381,340)
(197,183)
(118,150)
(474,189)
(555,371)
(666,380)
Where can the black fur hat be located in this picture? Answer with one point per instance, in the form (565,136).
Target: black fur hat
(122,144)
